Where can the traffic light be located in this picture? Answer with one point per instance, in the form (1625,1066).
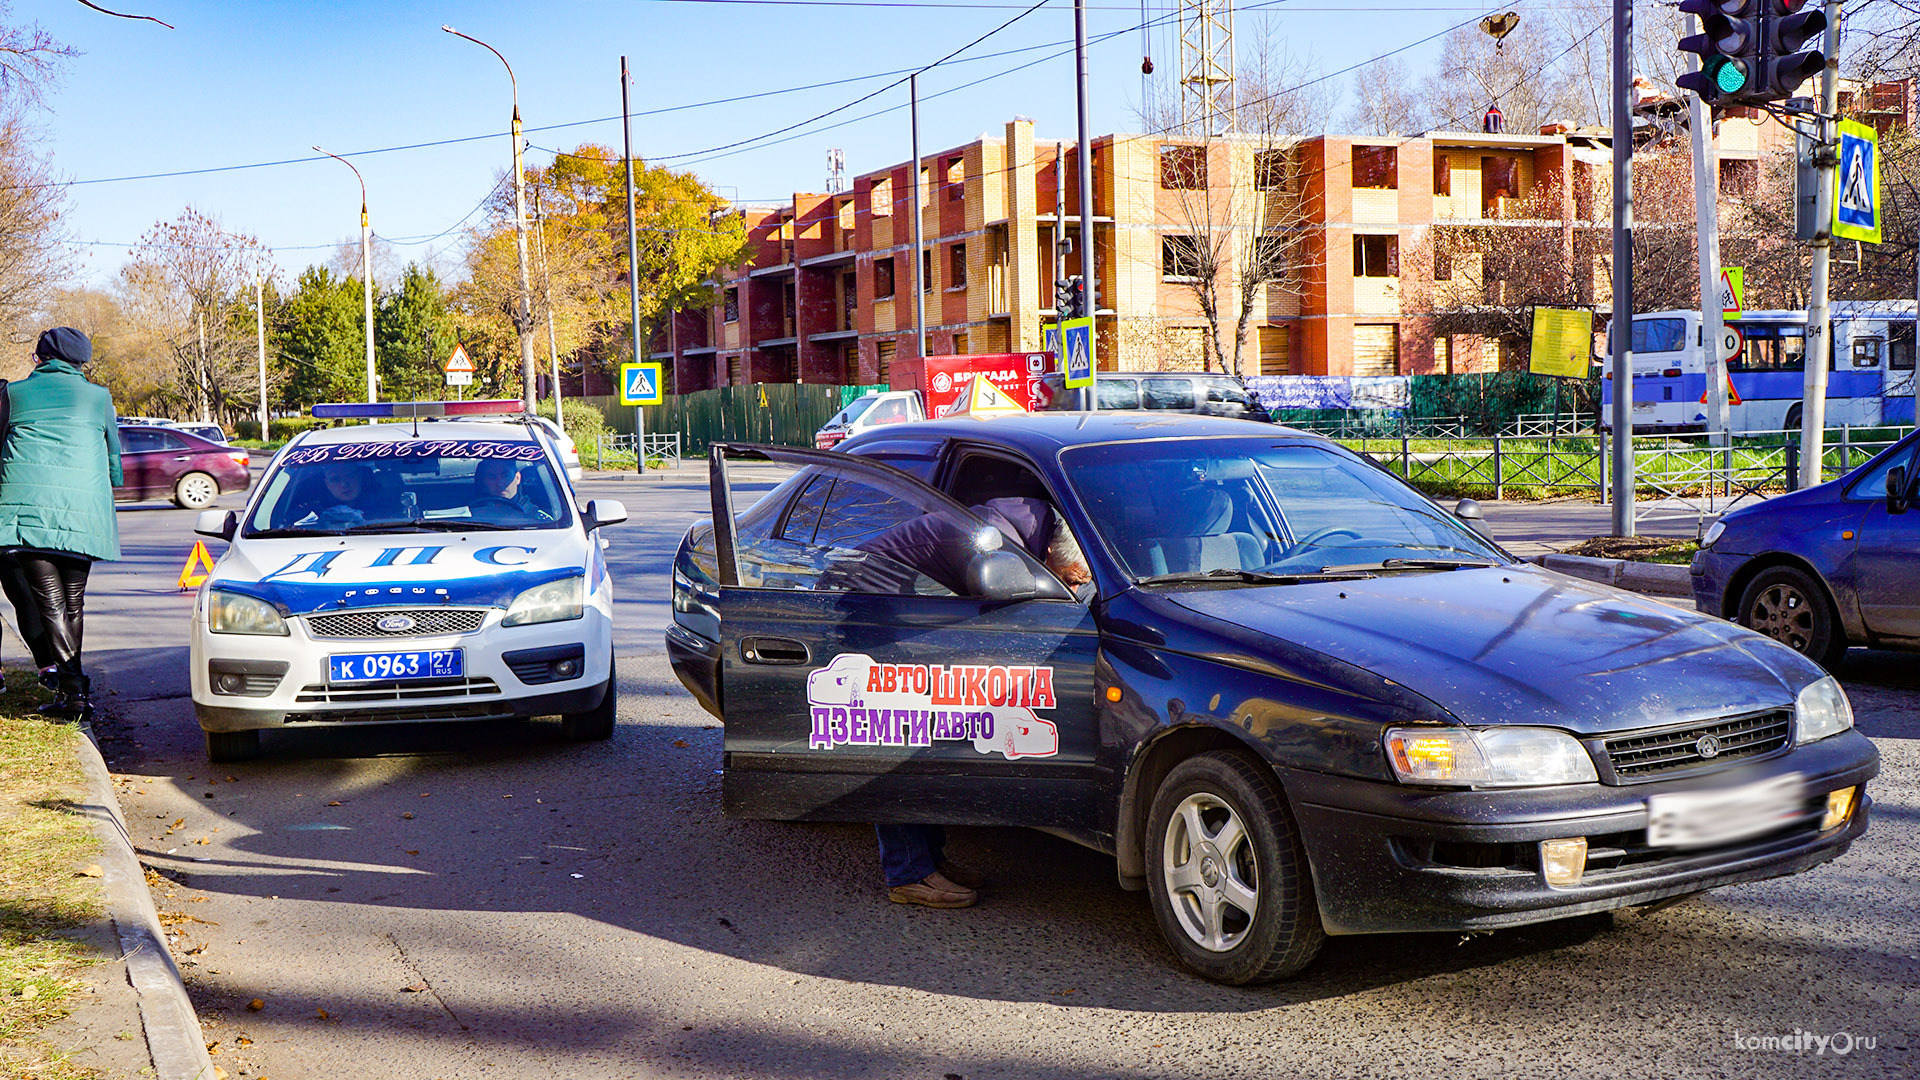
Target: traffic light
(1729,46)
(1784,65)
(1750,50)
(1070,298)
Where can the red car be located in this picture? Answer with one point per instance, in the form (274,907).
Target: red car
(159,462)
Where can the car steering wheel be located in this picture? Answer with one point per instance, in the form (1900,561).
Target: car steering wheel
(1318,535)
(508,505)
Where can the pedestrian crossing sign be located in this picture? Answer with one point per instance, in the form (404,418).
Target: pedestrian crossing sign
(1856,202)
(640,384)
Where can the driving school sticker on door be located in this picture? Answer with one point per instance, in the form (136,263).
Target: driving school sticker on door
(856,701)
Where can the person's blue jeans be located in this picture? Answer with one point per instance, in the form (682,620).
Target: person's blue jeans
(908,853)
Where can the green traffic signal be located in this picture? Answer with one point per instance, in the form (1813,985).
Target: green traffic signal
(1729,76)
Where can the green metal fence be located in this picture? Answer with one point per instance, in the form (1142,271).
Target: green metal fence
(783,414)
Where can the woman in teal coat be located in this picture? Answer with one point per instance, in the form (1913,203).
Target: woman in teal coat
(59,464)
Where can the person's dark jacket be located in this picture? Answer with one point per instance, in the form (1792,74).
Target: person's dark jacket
(940,545)
(60,460)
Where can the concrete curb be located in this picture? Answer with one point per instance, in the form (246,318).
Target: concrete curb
(174,1039)
(1659,579)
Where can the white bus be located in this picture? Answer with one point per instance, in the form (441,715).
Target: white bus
(1870,380)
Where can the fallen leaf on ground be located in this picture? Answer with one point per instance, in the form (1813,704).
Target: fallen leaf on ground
(408,815)
(335,802)
(177,822)
(416,988)
(233,779)
(92,870)
(679,742)
(202,840)
(415,851)
(242,1040)
(219,1073)
(196,950)
(256,1005)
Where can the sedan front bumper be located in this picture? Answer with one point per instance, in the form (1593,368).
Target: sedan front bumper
(1388,858)
(1709,573)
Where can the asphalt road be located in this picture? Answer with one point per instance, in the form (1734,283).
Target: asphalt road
(476,901)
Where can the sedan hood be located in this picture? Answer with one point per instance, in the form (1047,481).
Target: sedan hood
(1522,645)
(322,573)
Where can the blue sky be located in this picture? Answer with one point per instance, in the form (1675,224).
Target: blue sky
(240,83)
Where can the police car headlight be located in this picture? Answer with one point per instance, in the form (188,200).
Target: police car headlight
(1714,532)
(232,613)
(1821,709)
(1488,757)
(556,601)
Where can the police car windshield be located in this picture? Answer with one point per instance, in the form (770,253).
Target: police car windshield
(408,485)
(1246,509)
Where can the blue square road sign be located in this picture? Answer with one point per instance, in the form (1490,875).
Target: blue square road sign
(640,384)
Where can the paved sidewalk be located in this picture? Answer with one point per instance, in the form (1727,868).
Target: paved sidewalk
(1536,528)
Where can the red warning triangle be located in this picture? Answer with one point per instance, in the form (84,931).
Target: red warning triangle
(199,566)
(1733,396)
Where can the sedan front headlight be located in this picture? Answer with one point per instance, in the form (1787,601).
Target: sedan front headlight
(1488,757)
(1714,532)
(556,601)
(234,613)
(1821,709)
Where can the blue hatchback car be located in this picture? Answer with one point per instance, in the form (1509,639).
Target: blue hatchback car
(1823,568)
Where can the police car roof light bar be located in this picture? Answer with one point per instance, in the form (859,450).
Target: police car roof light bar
(402,410)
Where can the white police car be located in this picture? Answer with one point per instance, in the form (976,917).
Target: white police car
(401,572)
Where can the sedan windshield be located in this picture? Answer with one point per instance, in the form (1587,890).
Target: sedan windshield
(1248,511)
(410,485)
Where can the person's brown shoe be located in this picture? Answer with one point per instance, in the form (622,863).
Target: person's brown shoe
(934,891)
(964,876)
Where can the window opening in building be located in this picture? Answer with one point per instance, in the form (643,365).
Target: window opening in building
(956,171)
(1376,256)
(1376,167)
(1183,167)
(884,354)
(1179,258)
(926,271)
(1499,179)
(1442,174)
(1270,170)
(1273,351)
(733,305)
(883,278)
(881,196)
(1376,349)
(957,266)
(849,298)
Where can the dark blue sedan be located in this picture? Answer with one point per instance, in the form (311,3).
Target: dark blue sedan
(1823,568)
(1290,695)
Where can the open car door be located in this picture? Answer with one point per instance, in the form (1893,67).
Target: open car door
(888,656)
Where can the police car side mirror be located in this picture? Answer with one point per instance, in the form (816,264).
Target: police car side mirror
(221,524)
(604,512)
(1897,490)
(1468,510)
(1000,575)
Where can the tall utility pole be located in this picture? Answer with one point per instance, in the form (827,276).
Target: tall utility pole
(546,293)
(919,242)
(260,335)
(1620,327)
(1088,248)
(633,268)
(1713,317)
(523,324)
(1813,397)
(366,271)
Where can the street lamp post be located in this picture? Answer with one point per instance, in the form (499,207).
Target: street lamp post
(523,324)
(366,267)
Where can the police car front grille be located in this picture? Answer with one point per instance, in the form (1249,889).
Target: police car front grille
(1646,755)
(427,622)
(410,690)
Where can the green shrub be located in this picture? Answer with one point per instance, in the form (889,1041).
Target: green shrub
(583,422)
(286,427)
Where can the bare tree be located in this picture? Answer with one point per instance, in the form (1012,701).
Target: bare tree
(1385,101)
(1235,217)
(30,59)
(185,280)
(32,258)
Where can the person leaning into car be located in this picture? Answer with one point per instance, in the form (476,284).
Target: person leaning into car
(913,857)
(59,464)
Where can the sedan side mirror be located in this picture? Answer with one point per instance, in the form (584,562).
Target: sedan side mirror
(1468,510)
(604,512)
(1001,575)
(221,524)
(1897,490)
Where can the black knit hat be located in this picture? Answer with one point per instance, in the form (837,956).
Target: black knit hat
(64,343)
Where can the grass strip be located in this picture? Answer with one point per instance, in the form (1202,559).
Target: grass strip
(48,890)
